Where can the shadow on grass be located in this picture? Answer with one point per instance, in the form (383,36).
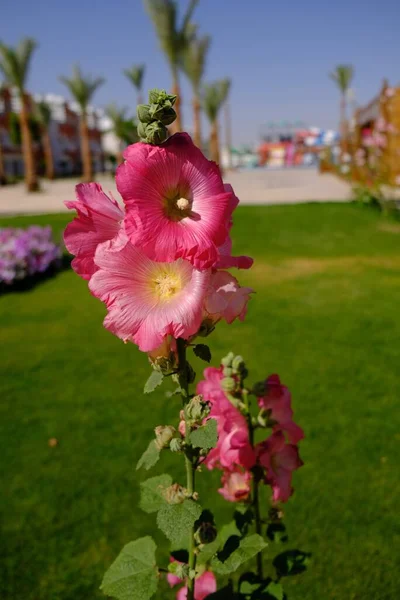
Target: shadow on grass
(30,282)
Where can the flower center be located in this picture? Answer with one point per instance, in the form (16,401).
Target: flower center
(167,284)
(177,205)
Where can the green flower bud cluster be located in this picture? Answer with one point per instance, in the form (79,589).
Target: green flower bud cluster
(155,116)
(234,372)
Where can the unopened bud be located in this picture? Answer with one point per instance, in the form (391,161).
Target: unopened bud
(227,360)
(227,371)
(156,133)
(176,445)
(228,384)
(164,434)
(143,113)
(238,364)
(175,494)
(206,533)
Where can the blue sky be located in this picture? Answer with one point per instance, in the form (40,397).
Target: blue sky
(278,54)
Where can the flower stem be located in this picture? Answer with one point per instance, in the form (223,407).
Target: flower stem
(190,466)
(255,485)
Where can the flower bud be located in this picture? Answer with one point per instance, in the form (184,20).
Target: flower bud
(143,113)
(157,96)
(168,116)
(176,445)
(228,384)
(206,533)
(227,371)
(141,129)
(227,360)
(238,364)
(156,133)
(175,494)
(164,434)
(197,409)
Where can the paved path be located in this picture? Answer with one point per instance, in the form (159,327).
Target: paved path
(285,186)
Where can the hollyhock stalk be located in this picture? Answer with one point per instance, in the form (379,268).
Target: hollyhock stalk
(190,466)
(255,495)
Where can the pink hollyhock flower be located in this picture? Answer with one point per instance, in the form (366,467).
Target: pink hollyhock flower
(278,401)
(225,298)
(226,260)
(205,585)
(147,300)
(99,219)
(279,461)
(235,485)
(176,203)
(233,446)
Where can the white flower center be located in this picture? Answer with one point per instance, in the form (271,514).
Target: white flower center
(182,203)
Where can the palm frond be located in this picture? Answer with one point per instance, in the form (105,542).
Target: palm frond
(43,113)
(194,59)
(80,87)
(173,39)
(123,127)
(213,97)
(135,75)
(342,76)
(15,62)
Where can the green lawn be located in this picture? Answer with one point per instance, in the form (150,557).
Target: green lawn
(326,317)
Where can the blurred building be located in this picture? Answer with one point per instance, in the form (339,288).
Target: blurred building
(63,130)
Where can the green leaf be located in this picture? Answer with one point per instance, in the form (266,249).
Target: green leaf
(274,591)
(134,574)
(177,520)
(225,593)
(150,457)
(291,562)
(203,352)
(205,436)
(174,392)
(244,550)
(152,492)
(153,381)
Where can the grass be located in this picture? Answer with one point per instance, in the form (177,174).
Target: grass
(325,317)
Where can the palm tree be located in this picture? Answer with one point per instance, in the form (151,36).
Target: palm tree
(43,115)
(214,96)
(173,39)
(124,129)
(343,76)
(15,63)
(193,63)
(135,75)
(82,89)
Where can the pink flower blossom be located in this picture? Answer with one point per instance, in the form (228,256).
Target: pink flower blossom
(99,219)
(279,461)
(233,447)
(205,585)
(147,300)
(225,298)
(176,203)
(278,401)
(235,485)
(226,260)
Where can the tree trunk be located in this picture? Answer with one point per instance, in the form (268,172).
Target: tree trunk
(31,180)
(197,120)
(228,134)
(140,97)
(343,124)
(86,154)
(3,179)
(214,142)
(48,153)
(177,124)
